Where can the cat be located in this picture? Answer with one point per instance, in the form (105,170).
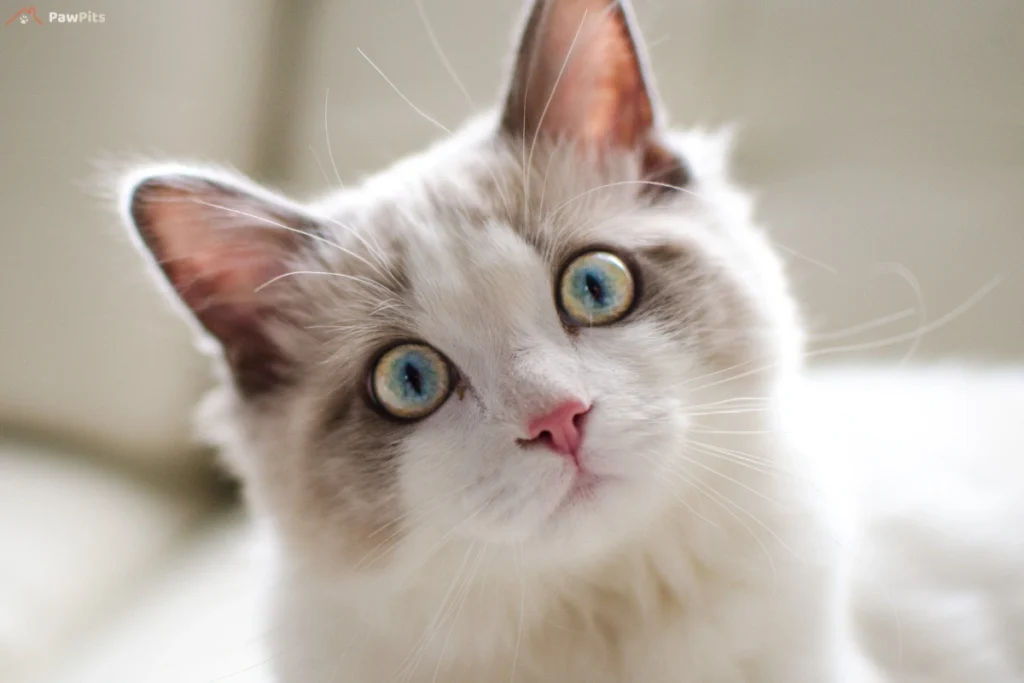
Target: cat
(514,408)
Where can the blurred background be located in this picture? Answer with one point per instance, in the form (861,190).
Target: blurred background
(884,139)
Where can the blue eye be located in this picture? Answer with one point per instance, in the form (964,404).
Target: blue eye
(597,288)
(410,381)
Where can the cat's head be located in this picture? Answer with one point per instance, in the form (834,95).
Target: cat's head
(519,337)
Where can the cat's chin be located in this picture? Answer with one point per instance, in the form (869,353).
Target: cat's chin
(591,518)
(580,515)
(591,511)
(585,488)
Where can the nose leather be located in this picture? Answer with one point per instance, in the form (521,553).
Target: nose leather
(560,429)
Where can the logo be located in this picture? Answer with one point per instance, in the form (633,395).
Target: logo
(24,15)
(27,14)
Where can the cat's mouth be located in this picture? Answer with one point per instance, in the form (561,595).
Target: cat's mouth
(585,488)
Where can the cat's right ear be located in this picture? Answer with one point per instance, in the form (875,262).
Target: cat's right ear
(580,73)
(220,244)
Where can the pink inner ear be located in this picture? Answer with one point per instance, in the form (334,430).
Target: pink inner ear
(233,274)
(209,254)
(580,76)
(216,250)
(606,90)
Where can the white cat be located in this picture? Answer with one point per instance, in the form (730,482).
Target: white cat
(515,409)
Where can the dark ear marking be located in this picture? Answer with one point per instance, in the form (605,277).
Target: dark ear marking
(216,243)
(664,170)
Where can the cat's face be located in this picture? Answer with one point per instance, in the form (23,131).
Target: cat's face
(509,339)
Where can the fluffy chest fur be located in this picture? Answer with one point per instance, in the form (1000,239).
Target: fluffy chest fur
(719,594)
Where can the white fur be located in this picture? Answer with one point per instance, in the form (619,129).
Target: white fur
(726,543)
(935,460)
(707,569)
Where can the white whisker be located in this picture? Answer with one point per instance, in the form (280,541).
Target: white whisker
(731,480)
(735,411)
(722,502)
(461,601)
(353,278)
(863,327)
(288,228)
(544,112)
(420,647)
(619,183)
(327,135)
(813,261)
(681,476)
(394,87)
(867,346)
(323,171)
(440,53)
(522,608)
(920,331)
(915,285)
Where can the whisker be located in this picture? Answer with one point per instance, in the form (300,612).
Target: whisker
(288,228)
(731,480)
(419,648)
(354,278)
(755,463)
(416,514)
(327,135)
(544,183)
(440,53)
(915,285)
(544,112)
(760,469)
(394,87)
(739,432)
(680,475)
(376,251)
(793,252)
(866,346)
(737,411)
(721,501)
(522,609)
(461,600)
(323,171)
(920,331)
(733,399)
(708,375)
(731,452)
(427,507)
(619,183)
(443,541)
(863,327)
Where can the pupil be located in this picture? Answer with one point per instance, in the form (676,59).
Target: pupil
(413,378)
(594,288)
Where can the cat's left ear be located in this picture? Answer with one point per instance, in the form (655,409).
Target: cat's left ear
(581,74)
(219,243)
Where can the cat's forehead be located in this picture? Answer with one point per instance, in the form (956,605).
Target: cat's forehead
(470,245)
(471,200)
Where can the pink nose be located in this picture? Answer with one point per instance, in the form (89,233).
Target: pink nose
(561,430)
